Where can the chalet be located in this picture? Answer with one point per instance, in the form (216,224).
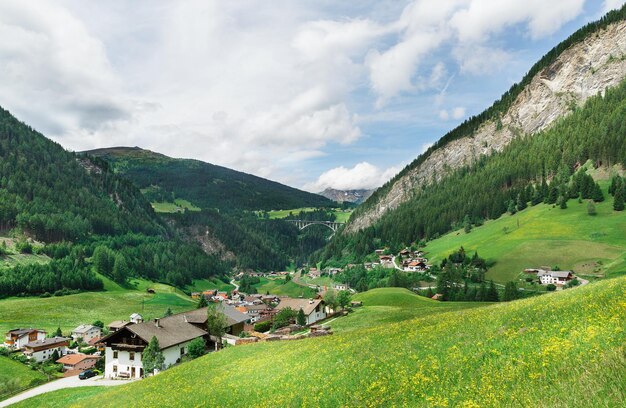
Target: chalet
(221,296)
(314,309)
(18,338)
(379,251)
(174,333)
(415,266)
(314,273)
(405,252)
(75,363)
(86,332)
(42,350)
(255,312)
(555,277)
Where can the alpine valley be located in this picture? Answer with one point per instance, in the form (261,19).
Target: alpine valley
(489,272)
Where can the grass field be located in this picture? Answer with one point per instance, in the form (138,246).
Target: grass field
(115,303)
(199,285)
(179,205)
(564,349)
(58,399)
(544,235)
(15,376)
(15,258)
(342,215)
(279,287)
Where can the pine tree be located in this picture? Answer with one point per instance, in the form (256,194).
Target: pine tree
(301,318)
(58,333)
(511,208)
(553,194)
(510,291)
(563,202)
(597,195)
(521,201)
(202,303)
(120,269)
(618,199)
(152,357)
(492,293)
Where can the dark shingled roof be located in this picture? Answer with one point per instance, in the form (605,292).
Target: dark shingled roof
(199,316)
(170,331)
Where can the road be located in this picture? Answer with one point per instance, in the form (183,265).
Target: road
(232,282)
(68,382)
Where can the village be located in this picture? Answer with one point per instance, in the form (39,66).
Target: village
(114,350)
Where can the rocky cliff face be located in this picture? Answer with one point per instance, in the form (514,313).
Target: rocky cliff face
(583,70)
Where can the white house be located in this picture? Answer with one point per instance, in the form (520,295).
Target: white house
(124,347)
(42,350)
(554,277)
(136,318)
(314,310)
(341,286)
(87,332)
(18,338)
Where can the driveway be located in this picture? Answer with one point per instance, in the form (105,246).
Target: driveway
(68,382)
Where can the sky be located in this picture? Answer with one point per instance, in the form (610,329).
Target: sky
(312,93)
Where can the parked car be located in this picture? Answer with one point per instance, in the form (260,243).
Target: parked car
(86,374)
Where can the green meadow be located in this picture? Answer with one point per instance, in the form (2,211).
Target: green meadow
(199,285)
(277,286)
(563,349)
(545,235)
(15,376)
(114,303)
(179,205)
(342,215)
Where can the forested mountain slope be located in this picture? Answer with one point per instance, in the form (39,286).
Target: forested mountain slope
(86,218)
(205,185)
(53,195)
(591,60)
(544,168)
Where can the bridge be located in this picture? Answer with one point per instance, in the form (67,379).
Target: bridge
(302,224)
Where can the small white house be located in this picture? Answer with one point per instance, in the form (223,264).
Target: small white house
(554,277)
(341,286)
(136,318)
(42,350)
(314,310)
(87,332)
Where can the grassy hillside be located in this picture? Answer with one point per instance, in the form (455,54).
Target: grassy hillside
(561,349)
(279,287)
(205,185)
(15,376)
(112,304)
(546,235)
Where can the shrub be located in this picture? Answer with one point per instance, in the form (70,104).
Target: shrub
(551,287)
(262,327)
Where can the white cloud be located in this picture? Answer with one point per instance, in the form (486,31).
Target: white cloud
(609,5)
(454,113)
(252,85)
(362,176)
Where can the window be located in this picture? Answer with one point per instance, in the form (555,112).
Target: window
(115,369)
(114,353)
(182,351)
(131,356)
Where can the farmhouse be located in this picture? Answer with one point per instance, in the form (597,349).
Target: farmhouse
(18,338)
(174,333)
(136,318)
(42,350)
(86,332)
(118,324)
(554,277)
(75,363)
(314,310)
(341,286)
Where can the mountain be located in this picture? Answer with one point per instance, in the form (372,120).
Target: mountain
(585,64)
(564,349)
(205,185)
(349,196)
(84,218)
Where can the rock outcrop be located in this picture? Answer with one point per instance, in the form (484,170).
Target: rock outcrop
(583,70)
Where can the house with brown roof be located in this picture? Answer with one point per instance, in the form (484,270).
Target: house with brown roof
(124,347)
(314,309)
(42,350)
(18,338)
(75,363)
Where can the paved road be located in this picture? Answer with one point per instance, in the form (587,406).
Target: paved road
(232,282)
(68,382)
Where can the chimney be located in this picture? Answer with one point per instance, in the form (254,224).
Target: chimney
(156,322)
(185,318)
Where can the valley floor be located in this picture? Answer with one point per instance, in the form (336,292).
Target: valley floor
(561,349)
